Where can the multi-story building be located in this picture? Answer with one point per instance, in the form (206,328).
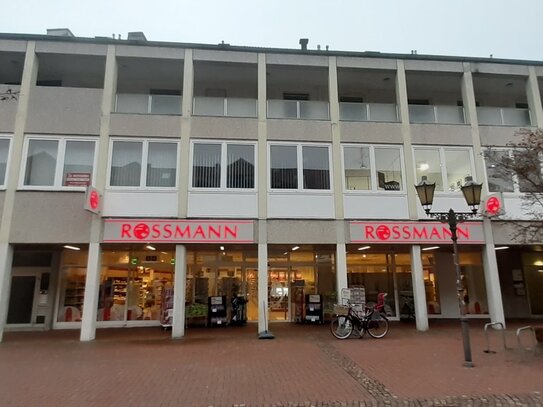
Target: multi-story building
(269,173)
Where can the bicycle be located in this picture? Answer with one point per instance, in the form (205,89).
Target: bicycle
(373,320)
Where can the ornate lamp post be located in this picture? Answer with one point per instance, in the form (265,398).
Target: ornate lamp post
(472,195)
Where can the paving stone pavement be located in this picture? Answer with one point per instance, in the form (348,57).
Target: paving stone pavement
(303,367)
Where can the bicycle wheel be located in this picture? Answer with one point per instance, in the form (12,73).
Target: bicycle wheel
(377,326)
(341,327)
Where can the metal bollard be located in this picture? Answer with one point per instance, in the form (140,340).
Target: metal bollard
(487,350)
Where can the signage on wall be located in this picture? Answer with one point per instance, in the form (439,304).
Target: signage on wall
(493,205)
(414,232)
(93,200)
(178,231)
(77,179)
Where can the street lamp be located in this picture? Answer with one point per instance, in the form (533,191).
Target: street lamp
(472,195)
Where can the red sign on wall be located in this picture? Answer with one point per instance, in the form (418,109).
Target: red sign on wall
(93,200)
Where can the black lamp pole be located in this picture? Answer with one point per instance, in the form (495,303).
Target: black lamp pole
(472,194)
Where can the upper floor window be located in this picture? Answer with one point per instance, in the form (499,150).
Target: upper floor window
(300,166)
(500,170)
(447,167)
(223,165)
(143,163)
(58,162)
(4,154)
(372,168)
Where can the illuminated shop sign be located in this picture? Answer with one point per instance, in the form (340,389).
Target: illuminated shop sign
(178,231)
(415,232)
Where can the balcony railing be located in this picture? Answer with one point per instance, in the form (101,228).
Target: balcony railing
(504,116)
(436,114)
(231,107)
(368,112)
(148,104)
(298,109)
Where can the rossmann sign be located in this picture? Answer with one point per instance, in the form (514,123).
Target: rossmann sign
(415,232)
(178,231)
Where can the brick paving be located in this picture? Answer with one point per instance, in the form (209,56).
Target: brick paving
(304,366)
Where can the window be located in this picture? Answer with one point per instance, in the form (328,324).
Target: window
(369,168)
(143,164)
(223,165)
(4,154)
(58,162)
(299,167)
(502,164)
(499,180)
(447,167)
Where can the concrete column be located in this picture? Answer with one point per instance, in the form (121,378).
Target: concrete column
(419,292)
(341,258)
(534,98)
(183,161)
(337,172)
(263,316)
(262,139)
(490,264)
(180,283)
(92,288)
(30,73)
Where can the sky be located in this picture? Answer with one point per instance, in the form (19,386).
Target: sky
(473,28)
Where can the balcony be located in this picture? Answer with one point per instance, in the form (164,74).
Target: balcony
(148,104)
(368,112)
(298,109)
(224,107)
(436,114)
(503,116)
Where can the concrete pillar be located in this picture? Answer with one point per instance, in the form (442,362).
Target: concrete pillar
(419,292)
(30,73)
(534,98)
(337,172)
(180,283)
(92,288)
(341,269)
(262,139)
(186,119)
(263,316)
(490,264)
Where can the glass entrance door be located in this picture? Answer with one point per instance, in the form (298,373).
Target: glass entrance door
(21,300)
(279,280)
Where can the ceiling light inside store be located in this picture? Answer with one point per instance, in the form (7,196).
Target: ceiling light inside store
(222,248)
(150,247)
(72,247)
(538,263)
(364,248)
(284,254)
(164,252)
(295,248)
(501,248)
(431,248)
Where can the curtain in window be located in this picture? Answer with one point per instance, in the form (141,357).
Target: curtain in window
(284,167)
(41,162)
(240,170)
(161,164)
(4,150)
(316,170)
(206,166)
(126,163)
(78,159)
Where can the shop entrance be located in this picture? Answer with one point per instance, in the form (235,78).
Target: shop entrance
(29,296)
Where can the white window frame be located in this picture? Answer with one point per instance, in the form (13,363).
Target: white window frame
(443,165)
(374,181)
(224,145)
(300,169)
(61,151)
(8,137)
(145,156)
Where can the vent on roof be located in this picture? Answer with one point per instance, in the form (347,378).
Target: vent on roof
(60,32)
(136,36)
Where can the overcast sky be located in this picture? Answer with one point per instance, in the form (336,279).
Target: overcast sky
(479,28)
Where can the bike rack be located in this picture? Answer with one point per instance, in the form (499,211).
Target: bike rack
(502,328)
(534,340)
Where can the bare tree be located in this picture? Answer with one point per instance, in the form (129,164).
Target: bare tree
(522,165)
(9,95)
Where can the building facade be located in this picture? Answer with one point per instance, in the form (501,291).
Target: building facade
(271,174)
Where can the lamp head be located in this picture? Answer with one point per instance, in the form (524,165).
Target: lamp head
(425,191)
(472,193)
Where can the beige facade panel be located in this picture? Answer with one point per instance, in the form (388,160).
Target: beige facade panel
(371,132)
(50,217)
(64,110)
(509,233)
(299,130)
(145,125)
(139,51)
(13,46)
(225,56)
(366,63)
(500,69)
(303,60)
(497,135)
(437,66)
(224,128)
(539,70)
(2,197)
(70,48)
(302,231)
(445,134)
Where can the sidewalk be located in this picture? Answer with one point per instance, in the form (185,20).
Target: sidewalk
(303,366)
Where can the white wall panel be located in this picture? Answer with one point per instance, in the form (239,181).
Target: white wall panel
(316,206)
(375,206)
(140,203)
(223,204)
